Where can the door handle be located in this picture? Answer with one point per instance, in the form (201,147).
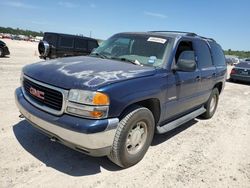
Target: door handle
(198,78)
(214,74)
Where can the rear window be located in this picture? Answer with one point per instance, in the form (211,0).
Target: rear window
(203,54)
(92,44)
(66,42)
(81,44)
(217,54)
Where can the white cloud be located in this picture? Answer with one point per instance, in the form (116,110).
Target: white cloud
(18,4)
(156,15)
(66,4)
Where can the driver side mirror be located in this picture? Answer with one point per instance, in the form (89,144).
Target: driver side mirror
(186,62)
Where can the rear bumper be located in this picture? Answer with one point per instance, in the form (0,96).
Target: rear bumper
(92,137)
(240,77)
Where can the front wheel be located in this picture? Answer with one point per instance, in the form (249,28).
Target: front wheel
(133,137)
(211,104)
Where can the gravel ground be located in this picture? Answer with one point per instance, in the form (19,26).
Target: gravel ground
(201,153)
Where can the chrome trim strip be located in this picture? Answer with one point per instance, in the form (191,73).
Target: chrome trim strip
(45,108)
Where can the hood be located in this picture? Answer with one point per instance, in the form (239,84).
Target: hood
(84,72)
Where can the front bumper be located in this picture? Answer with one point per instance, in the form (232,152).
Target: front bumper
(92,137)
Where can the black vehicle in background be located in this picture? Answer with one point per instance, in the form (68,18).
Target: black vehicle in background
(4,50)
(241,72)
(56,45)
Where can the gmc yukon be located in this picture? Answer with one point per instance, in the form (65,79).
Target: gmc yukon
(112,102)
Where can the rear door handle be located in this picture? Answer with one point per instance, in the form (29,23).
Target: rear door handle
(198,78)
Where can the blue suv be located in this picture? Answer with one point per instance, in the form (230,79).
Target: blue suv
(133,85)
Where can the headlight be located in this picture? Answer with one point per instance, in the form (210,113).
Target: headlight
(94,105)
(88,97)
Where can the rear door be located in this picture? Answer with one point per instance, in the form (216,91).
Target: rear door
(207,69)
(219,61)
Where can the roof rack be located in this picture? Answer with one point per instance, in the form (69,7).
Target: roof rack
(181,32)
(207,38)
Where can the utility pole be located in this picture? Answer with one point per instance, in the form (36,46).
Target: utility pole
(90,34)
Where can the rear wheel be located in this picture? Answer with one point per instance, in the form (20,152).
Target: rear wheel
(1,52)
(133,137)
(211,104)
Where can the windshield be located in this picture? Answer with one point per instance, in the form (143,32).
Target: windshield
(137,49)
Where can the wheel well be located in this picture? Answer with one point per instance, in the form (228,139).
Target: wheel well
(218,86)
(152,104)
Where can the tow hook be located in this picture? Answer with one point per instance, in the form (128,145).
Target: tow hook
(21,116)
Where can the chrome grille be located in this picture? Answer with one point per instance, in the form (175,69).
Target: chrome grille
(53,98)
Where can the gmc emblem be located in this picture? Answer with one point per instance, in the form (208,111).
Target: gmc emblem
(37,93)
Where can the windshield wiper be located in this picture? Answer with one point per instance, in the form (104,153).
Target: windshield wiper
(136,62)
(99,55)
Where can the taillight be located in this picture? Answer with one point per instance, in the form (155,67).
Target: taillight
(233,71)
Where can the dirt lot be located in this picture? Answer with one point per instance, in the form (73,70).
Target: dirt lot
(201,153)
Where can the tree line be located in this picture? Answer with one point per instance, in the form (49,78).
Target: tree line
(240,54)
(18,31)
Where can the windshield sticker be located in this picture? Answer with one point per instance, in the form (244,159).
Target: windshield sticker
(152,59)
(158,40)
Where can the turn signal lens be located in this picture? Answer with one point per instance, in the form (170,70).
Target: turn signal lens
(96,114)
(100,99)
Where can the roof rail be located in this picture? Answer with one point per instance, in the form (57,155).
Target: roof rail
(181,32)
(206,38)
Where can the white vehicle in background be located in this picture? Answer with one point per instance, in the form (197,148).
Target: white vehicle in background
(232,60)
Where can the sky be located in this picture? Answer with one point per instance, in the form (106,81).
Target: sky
(227,21)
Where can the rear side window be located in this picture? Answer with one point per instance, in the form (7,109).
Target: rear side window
(66,42)
(217,54)
(81,44)
(92,44)
(50,38)
(203,54)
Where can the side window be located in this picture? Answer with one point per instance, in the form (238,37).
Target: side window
(50,38)
(183,46)
(217,54)
(66,42)
(203,54)
(92,44)
(81,44)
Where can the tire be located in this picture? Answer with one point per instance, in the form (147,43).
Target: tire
(1,52)
(211,104)
(133,137)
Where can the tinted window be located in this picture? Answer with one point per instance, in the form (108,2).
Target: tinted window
(81,44)
(217,54)
(50,38)
(203,54)
(66,42)
(92,44)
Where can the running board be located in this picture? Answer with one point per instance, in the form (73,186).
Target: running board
(176,123)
